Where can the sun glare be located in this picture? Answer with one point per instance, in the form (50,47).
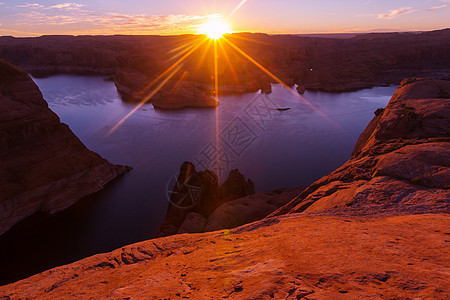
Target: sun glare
(214,28)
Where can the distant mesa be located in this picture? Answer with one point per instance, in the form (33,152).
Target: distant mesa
(315,64)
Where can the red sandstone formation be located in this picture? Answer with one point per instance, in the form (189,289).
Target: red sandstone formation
(375,228)
(43,165)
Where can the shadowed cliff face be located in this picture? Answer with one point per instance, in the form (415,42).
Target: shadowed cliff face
(376,227)
(43,165)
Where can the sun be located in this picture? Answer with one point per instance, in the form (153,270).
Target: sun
(215,28)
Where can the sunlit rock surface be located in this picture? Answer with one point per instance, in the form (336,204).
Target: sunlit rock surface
(286,257)
(43,165)
(377,227)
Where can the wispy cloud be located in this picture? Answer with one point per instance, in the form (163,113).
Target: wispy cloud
(5,31)
(31,5)
(361,30)
(438,7)
(396,12)
(139,23)
(67,6)
(107,23)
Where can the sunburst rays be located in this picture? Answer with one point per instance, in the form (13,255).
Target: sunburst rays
(221,48)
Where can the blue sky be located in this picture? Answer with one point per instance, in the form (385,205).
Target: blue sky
(37,17)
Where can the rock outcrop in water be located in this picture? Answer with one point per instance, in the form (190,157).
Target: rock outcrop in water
(376,227)
(195,195)
(301,89)
(43,165)
(136,87)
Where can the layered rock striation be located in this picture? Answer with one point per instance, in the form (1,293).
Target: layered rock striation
(43,165)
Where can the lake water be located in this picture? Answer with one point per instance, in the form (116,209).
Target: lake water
(274,148)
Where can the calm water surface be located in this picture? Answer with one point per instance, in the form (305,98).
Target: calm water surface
(275,149)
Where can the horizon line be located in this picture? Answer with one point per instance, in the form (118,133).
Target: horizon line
(238,32)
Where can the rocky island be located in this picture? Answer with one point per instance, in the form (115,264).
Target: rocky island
(43,165)
(134,87)
(375,227)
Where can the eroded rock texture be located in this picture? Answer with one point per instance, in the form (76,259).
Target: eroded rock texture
(43,165)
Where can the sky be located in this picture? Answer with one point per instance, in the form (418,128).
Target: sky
(167,17)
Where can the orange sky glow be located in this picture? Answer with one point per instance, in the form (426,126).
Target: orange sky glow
(100,17)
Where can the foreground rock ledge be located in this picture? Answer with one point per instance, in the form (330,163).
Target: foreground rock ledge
(287,257)
(43,165)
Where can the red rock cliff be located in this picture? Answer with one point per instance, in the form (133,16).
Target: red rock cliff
(43,165)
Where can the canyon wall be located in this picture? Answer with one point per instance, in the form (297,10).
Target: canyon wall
(325,64)
(43,165)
